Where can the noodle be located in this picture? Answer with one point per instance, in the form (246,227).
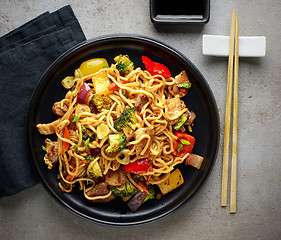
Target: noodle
(153,137)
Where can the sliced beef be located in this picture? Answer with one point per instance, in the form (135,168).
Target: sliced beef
(135,203)
(100,189)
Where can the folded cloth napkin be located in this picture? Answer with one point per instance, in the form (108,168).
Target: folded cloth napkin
(26,54)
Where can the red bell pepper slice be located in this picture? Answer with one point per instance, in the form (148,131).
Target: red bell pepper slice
(186,141)
(155,68)
(139,166)
(65,145)
(124,81)
(112,86)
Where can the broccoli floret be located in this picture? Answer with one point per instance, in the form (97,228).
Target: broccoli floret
(117,142)
(126,190)
(86,133)
(128,118)
(152,192)
(95,171)
(101,102)
(181,121)
(137,177)
(123,64)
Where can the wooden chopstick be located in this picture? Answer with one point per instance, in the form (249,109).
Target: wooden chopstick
(228,112)
(233,181)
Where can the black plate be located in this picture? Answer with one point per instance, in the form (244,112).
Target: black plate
(199,99)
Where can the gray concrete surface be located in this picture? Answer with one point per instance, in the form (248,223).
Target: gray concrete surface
(33,214)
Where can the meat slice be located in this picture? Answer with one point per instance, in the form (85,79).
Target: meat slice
(48,128)
(140,146)
(100,189)
(135,203)
(116,178)
(141,100)
(51,155)
(58,110)
(174,106)
(177,90)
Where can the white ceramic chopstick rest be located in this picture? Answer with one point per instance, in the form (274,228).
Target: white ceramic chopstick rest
(215,45)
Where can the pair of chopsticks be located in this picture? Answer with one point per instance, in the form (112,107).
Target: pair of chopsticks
(233,59)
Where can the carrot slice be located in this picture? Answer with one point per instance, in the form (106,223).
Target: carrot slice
(143,187)
(65,145)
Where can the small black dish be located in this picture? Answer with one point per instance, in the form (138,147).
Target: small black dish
(180,11)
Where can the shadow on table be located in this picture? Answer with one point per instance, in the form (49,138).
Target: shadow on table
(179,28)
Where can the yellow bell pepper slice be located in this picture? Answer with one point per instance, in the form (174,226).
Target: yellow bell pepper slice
(101,83)
(91,66)
(175,180)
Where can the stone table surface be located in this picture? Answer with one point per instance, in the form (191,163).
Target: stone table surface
(34,214)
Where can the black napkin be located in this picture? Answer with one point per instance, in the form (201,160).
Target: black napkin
(26,54)
(22,31)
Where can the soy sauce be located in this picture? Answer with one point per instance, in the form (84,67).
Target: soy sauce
(180,9)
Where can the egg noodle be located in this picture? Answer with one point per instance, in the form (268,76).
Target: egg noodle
(153,117)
